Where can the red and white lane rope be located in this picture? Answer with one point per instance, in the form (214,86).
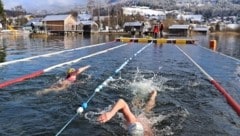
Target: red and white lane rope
(233,103)
(40,72)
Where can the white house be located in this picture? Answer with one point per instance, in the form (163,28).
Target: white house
(193,18)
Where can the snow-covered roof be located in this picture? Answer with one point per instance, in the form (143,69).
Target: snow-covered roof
(142,11)
(132,24)
(198,18)
(200,29)
(35,21)
(55,17)
(85,17)
(179,27)
(233,26)
(88,22)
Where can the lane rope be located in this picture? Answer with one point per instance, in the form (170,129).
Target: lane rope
(84,105)
(233,103)
(49,54)
(40,72)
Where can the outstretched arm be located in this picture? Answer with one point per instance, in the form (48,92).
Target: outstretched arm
(82,69)
(121,106)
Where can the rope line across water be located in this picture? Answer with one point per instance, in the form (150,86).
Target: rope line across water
(233,103)
(98,89)
(47,55)
(40,72)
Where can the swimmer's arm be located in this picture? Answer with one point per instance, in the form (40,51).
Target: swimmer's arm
(120,105)
(82,69)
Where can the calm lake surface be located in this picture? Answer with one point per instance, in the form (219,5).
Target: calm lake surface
(187,103)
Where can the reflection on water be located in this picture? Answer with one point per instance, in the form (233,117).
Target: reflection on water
(187,104)
(20,46)
(228,44)
(23,46)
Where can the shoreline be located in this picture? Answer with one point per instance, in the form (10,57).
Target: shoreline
(225,33)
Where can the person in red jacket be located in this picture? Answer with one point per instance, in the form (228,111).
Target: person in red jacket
(155,31)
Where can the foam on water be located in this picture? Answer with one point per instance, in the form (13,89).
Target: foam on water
(163,123)
(143,86)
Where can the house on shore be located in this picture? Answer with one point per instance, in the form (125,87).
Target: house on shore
(179,29)
(188,29)
(86,24)
(88,27)
(34,24)
(127,26)
(60,23)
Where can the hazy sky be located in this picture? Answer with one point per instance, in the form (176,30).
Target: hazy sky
(31,5)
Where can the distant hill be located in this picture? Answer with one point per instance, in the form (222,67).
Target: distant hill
(150,2)
(14,13)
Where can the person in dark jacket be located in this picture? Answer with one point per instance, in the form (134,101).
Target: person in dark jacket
(161,29)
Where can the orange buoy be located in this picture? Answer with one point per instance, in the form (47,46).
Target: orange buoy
(213,45)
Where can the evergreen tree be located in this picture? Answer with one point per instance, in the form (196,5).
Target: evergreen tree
(2,13)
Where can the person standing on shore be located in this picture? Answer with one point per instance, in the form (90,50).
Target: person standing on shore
(133,31)
(155,31)
(161,29)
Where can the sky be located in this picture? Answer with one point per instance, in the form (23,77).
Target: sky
(49,5)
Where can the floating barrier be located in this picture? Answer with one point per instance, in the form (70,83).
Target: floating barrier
(213,45)
(157,41)
(228,97)
(40,72)
(99,88)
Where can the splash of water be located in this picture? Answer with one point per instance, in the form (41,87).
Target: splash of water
(141,86)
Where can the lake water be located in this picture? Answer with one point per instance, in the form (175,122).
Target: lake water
(187,103)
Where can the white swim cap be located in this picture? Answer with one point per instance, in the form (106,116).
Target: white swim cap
(136,129)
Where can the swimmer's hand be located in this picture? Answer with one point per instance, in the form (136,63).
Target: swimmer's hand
(80,70)
(105,117)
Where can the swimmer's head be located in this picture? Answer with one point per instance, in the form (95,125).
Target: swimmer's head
(136,129)
(71,70)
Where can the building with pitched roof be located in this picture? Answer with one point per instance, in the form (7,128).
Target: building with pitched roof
(60,23)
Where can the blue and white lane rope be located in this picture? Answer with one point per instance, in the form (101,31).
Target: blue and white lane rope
(99,88)
(47,55)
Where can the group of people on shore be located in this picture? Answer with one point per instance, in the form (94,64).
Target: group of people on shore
(136,125)
(157,31)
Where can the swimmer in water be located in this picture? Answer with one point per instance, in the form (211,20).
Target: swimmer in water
(70,79)
(137,125)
